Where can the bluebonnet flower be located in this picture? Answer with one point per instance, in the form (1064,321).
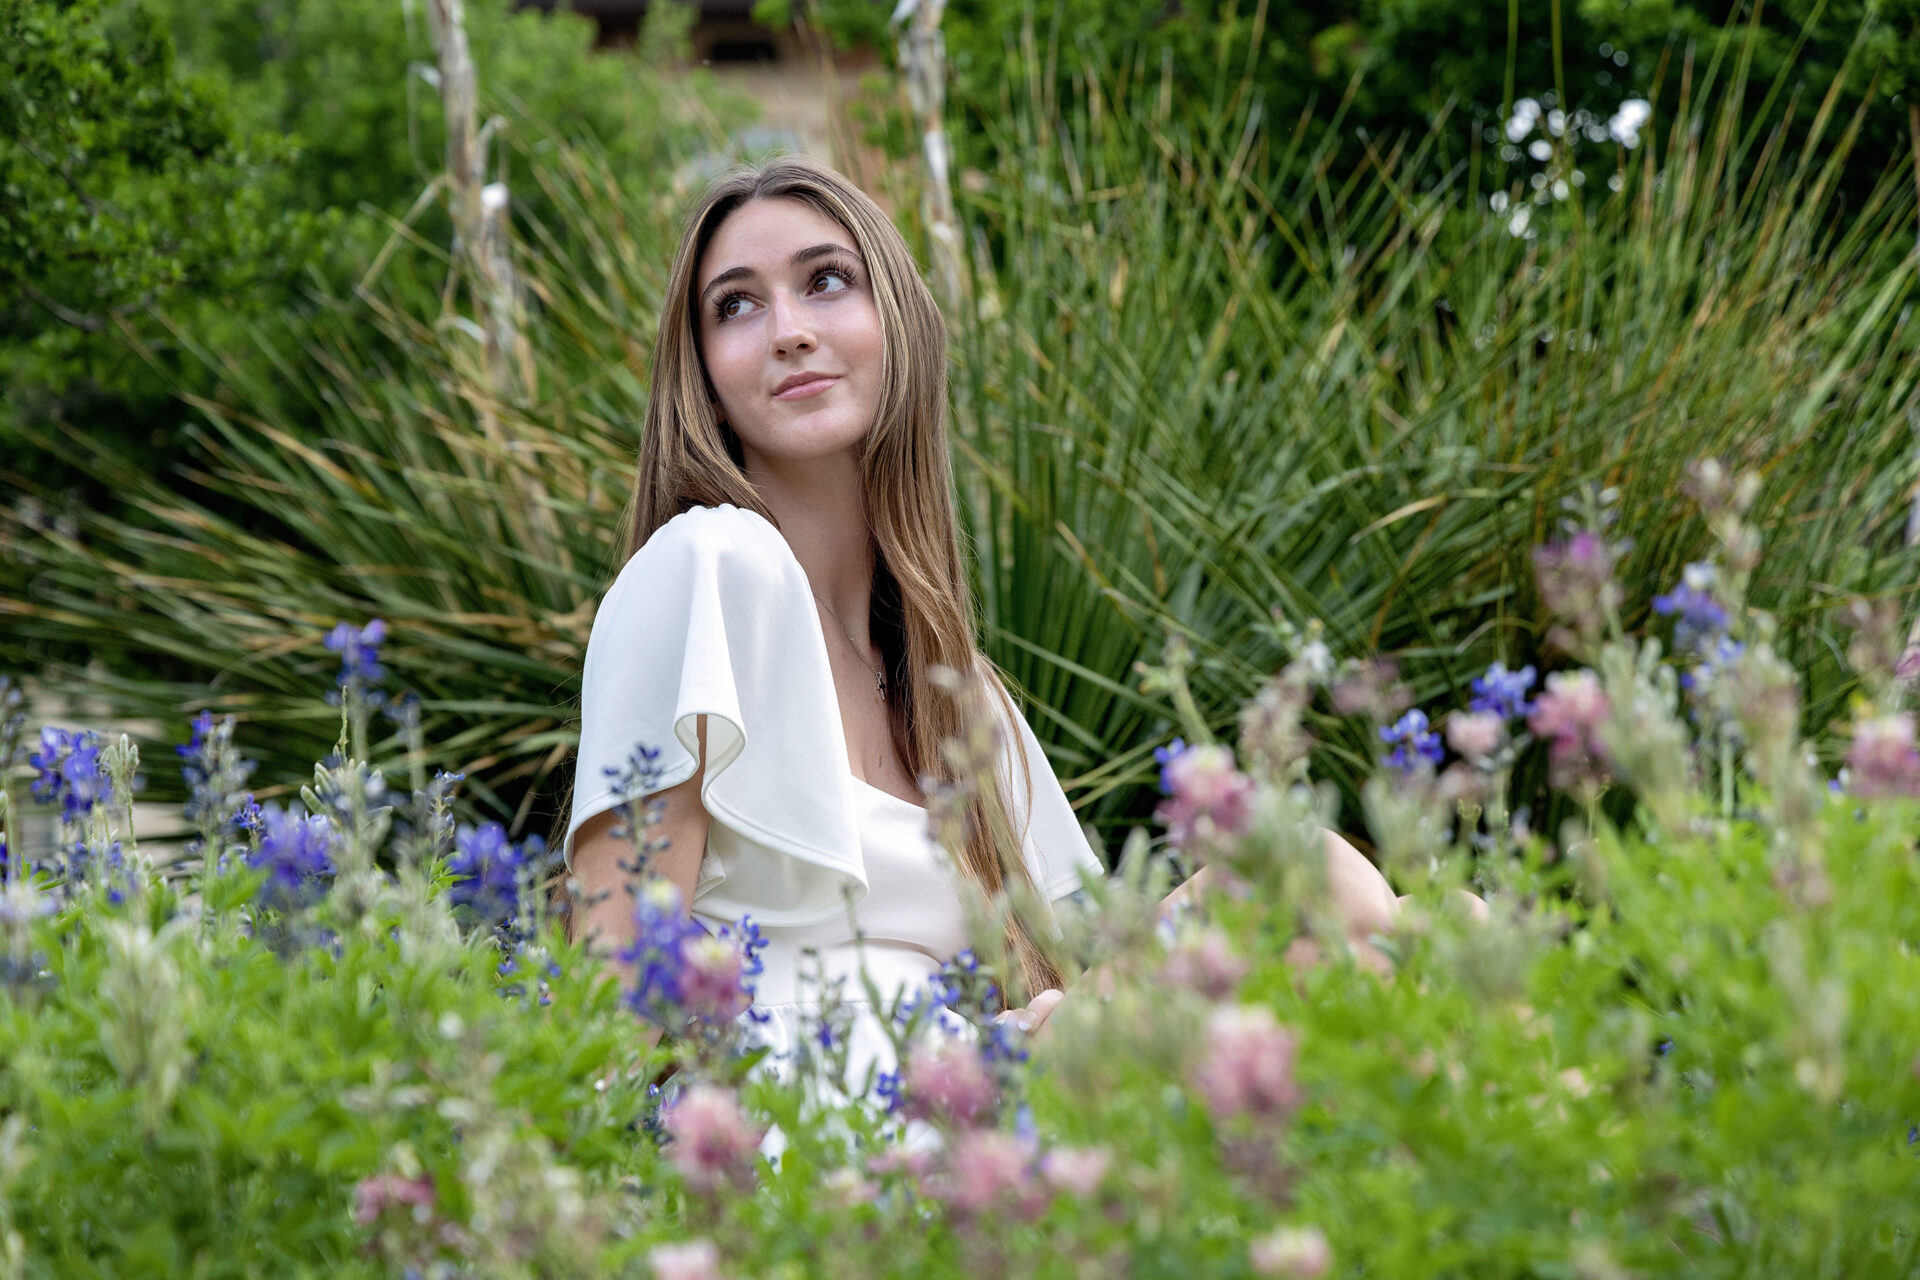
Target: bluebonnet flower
(487,868)
(1165,756)
(662,929)
(93,865)
(941,992)
(296,851)
(640,774)
(249,816)
(999,1043)
(1503,692)
(86,781)
(1416,741)
(1698,616)
(1715,660)
(214,772)
(69,771)
(545,972)
(631,783)
(359,650)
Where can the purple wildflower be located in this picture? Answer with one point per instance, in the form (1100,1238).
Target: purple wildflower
(1698,617)
(887,1087)
(1417,742)
(214,772)
(70,772)
(359,650)
(486,871)
(682,970)
(1503,692)
(296,853)
(55,743)
(249,816)
(1164,757)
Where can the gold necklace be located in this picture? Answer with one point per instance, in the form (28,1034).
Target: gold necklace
(880,672)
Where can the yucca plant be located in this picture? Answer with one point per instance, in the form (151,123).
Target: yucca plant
(1202,398)
(1189,395)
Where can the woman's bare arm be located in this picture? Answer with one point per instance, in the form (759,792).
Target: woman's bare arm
(600,857)
(1360,895)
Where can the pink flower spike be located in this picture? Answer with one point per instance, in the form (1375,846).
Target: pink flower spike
(947,1080)
(1205,964)
(1569,716)
(1882,761)
(989,1168)
(373,1196)
(1077,1171)
(1476,734)
(1208,798)
(1291,1253)
(712,1141)
(685,1260)
(710,986)
(1246,1066)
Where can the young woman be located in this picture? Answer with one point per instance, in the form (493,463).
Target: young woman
(794,576)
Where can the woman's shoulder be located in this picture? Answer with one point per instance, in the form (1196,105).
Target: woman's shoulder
(722,543)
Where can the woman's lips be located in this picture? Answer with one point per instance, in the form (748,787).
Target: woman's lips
(806,389)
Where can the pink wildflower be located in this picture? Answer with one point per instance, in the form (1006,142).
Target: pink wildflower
(1576,580)
(685,1260)
(1205,964)
(989,1168)
(1882,760)
(914,1164)
(1078,1171)
(710,980)
(947,1080)
(1476,734)
(1569,715)
(1247,1064)
(1292,1253)
(373,1196)
(712,1141)
(1207,798)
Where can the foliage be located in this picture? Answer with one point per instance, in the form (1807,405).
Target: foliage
(1396,70)
(248,162)
(1166,414)
(1685,1046)
(129,184)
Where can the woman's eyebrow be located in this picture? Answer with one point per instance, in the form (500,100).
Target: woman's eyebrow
(805,255)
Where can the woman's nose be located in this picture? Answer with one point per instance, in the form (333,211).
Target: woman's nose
(790,329)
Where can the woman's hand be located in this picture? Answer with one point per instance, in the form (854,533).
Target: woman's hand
(1035,1015)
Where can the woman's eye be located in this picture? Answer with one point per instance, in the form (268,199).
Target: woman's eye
(724,308)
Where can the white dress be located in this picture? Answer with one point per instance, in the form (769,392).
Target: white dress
(714,616)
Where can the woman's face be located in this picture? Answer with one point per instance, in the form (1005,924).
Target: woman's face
(784,302)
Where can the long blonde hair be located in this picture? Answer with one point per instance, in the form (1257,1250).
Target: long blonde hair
(922,605)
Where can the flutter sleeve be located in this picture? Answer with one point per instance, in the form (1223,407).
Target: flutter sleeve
(708,618)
